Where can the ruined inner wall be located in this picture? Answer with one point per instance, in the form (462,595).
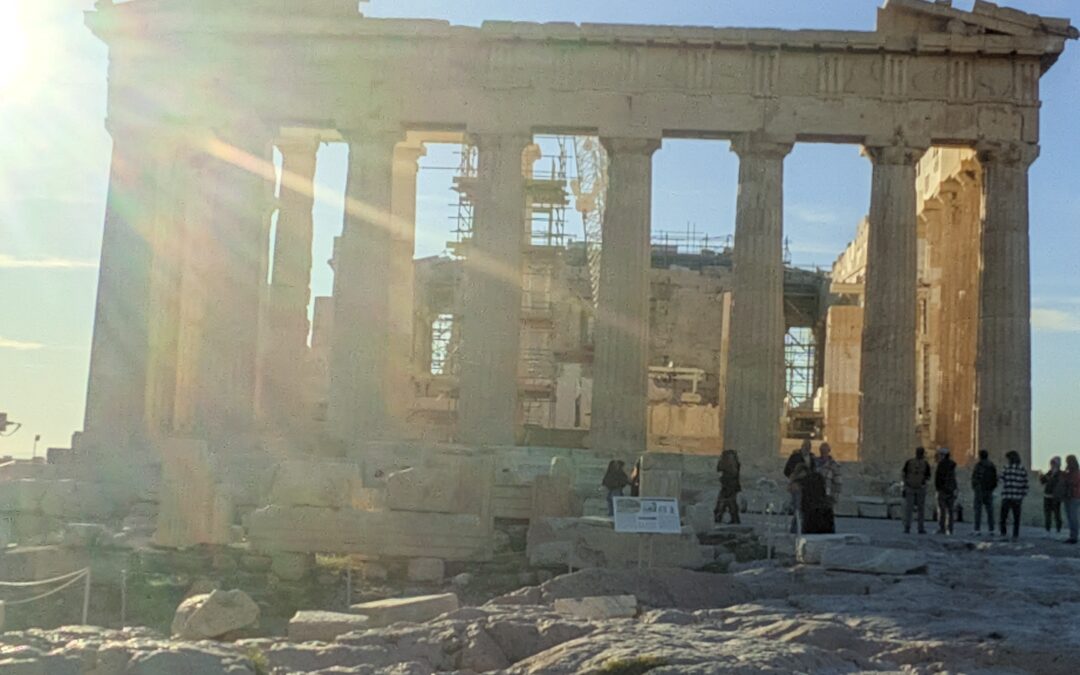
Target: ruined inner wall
(950,196)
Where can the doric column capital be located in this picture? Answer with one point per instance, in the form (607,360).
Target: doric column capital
(488,141)
(895,154)
(409,155)
(758,144)
(298,146)
(379,137)
(1007,153)
(619,145)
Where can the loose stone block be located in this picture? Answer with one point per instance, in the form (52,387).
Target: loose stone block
(426,569)
(413,610)
(391,534)
(599,607)
(315,483)
(193,509)
(873,559)
(661,483)
(593,542)
(315,626)
(35,563)
(810,547)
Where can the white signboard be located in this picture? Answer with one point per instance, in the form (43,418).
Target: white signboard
(647,515)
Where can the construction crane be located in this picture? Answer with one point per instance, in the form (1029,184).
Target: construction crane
(590,192)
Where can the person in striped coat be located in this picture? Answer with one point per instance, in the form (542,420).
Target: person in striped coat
(1014,487)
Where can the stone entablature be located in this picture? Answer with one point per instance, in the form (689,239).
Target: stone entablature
(943,78)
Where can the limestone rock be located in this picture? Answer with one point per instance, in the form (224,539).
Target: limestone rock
(414,610)
(809,547)
(598,607)
(316,626)
(481,653)
(212,615)
(873,559)
(291,566)
(425,569)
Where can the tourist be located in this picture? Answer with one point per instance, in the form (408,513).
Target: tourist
(984,481)
(829,469)
(799,465)
(1014,487)
(1053,483)
(728,501)
(635,479)
(916,474)
(945,485)
(816,508)
(1071,478)
(614,481)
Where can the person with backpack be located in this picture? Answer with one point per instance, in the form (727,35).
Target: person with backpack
(945,485)
(915,475)
(1014,487)
(1071,478)
(728,500)
(1054,489)
(984,481)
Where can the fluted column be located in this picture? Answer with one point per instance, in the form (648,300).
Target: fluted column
(290,286)
(755,376)
(115,406)
(887,375)
(237,193)
(1003,362)
(491,312)
(621,335)
(403,207)
(357,409)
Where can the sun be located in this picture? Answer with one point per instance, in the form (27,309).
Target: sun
(13,50)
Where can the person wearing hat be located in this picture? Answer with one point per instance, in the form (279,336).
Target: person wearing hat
(945,484)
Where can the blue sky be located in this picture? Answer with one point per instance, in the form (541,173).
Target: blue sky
(54,156)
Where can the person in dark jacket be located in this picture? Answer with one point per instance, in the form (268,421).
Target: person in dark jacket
(614,481)
(984,481)
(1071,478)
(1014,487)
(1054,488)
(799,465)
(945,485)
(915,475)
(729,469)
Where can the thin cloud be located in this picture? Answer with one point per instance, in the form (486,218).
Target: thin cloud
(19,346)
(1054,321)
(812,215)
(13,263)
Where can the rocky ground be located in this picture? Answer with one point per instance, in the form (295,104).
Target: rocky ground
(980,606)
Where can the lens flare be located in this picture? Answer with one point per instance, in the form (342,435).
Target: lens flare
(13,49)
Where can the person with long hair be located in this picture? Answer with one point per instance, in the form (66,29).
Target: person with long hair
(615,480)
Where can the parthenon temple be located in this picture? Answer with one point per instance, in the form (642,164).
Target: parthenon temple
(202,333)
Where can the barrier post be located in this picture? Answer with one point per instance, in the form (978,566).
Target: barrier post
(86,599)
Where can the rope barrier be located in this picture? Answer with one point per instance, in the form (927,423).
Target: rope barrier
(44,582)
(81,573)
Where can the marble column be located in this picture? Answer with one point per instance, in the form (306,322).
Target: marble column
(359,349)
(1003,361)
(400,357)
(491,311)
(290,288)
(755,373)
(237,192)
(115,399)
(887,372)
(621,333)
